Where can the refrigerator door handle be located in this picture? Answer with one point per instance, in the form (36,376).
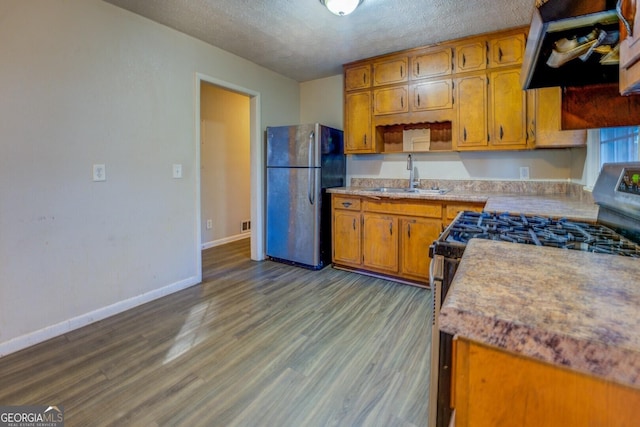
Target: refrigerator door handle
(311,180)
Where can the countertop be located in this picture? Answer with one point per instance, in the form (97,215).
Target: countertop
(553,205)
(574,309)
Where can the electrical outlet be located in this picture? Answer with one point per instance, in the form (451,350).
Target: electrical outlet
(209,224)
(524,172)
(99,172)
(177,170)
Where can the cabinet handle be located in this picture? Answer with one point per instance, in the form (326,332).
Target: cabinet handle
(401,71)
(487,55)
(464,60)
(501,132)
(418,100)
(346,204)
(365,139)
(500,54)
(418,68)
(354,223)
(391,228)
(624,20)
(533,128)
(364,78)
(409,230)
(402,101)
(464,134)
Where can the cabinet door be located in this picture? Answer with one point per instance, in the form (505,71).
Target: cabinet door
(346,237)
(392,100)
(507,50)
(471,57)
(390,71)
(432,95)
(357,134)
(508,113)
(380,242)
(358,77)
(630,49)
(432,64)
(471,101)
(548,132)
(416,234)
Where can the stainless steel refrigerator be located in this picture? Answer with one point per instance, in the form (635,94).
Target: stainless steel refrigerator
(302,162)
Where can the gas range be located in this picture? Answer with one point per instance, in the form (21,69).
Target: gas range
(617,232)
(539,231)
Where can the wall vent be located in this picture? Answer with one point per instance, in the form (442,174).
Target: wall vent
(245,226)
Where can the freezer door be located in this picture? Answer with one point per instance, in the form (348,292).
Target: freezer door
(293,146)
(293,215)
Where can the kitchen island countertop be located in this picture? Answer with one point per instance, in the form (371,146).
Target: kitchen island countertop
(575,309)
(552,205)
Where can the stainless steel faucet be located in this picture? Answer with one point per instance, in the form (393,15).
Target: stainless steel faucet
(412,182)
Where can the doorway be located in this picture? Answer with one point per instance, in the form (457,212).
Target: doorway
(255,179)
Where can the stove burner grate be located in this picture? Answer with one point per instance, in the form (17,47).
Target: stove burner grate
(534,230)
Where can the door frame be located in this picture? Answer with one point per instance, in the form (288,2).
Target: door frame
(256,150)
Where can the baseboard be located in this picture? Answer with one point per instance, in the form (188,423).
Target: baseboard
(24,341)
(229,239)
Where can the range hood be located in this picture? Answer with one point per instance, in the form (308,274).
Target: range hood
(572,43)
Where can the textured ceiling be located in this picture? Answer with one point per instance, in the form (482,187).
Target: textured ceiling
(303,40)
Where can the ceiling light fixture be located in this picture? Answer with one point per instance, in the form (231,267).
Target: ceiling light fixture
(341,7)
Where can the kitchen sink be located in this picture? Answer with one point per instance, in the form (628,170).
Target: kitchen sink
(410,190)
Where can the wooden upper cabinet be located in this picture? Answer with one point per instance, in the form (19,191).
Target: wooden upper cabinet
(471,56)
(508,50)
(358,77)
(630,49)
(432,64)
(357,115)
(432,95)
(390,71)
(548,129)
(471,123)
(391,100)
(508,107)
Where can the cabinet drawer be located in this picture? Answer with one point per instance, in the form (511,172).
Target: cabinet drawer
(350,203)
(404,207)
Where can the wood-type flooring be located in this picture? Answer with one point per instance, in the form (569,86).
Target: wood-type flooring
(256,344)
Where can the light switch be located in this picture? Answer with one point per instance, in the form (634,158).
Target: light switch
(524,172)
(99,172)
(177,171)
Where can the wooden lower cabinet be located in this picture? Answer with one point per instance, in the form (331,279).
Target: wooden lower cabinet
(380,242)
(389,237)
(416,234)
(496,388)
(346,237)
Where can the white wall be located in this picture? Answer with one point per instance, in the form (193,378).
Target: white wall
(225,186)
(84,82)
(322,100)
